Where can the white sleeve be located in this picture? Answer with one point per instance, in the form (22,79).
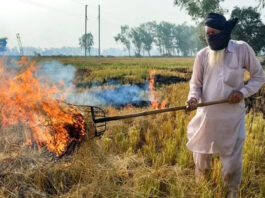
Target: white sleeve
(196,81)
(257,77)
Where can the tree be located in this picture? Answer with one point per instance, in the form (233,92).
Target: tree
(201,33)
(187,41)
(169,38)
(86,40)
(3,43)
(124,37)
(249,28)
(137,40)
(157,37)
(164,38)
(199,9)
(147,31)
(182,39)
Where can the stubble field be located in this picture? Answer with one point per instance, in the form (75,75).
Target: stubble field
(140,157)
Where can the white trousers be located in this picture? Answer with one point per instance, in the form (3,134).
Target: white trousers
(231,165)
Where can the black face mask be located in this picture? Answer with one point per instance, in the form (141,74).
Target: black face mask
(218,41)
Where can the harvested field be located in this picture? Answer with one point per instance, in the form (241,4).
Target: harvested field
(141,157)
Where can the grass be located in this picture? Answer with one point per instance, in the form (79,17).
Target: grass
(126,70)
(141,157)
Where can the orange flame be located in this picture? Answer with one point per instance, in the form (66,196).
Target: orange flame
(153,98)
(31,101)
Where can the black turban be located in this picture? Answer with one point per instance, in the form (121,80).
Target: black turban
(220,40)
(219,22)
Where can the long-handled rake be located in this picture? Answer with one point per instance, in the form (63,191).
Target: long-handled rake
(100,119)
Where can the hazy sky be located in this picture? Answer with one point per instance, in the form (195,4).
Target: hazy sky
(57,23)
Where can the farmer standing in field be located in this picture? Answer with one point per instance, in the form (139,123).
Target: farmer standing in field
(218,73)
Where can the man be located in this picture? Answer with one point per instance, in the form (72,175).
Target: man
(218,73)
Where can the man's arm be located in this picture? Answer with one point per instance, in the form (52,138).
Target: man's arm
(257,77)
(196,79)
(196,83)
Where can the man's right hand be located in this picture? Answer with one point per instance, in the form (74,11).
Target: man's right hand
(191,104)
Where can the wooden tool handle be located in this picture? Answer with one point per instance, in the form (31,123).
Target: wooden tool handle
(145,113)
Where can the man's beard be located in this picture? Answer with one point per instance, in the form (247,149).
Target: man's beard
(215,58)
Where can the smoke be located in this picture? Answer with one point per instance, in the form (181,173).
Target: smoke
(111,94)
(57,73)
(119,95)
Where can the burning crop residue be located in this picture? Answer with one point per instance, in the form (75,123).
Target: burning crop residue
(35,102)
(153,98)
(117,95)
(114,94)
(33,96)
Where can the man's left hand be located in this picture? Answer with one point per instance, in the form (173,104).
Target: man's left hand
(235,97)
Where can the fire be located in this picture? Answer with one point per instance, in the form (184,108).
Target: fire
(154,101)
(33,102)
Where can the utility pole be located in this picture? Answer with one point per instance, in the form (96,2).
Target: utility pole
(85,28)
(20,44)
(98,30)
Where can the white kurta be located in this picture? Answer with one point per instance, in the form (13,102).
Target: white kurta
(215,129)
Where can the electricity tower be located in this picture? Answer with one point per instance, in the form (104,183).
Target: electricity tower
(20,44)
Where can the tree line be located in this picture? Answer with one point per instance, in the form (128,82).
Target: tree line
(186,40)
(170,39)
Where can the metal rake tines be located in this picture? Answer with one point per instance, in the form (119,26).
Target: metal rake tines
(98,113)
